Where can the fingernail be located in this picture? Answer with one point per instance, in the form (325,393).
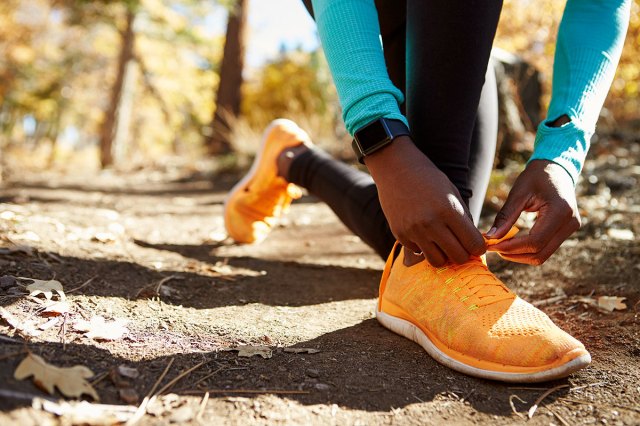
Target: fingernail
(492,232)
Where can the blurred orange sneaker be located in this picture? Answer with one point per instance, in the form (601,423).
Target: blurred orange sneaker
(468,320)
(255,204)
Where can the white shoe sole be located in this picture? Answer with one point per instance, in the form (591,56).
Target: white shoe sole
(414,333)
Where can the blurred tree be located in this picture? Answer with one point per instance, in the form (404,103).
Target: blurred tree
(297,84)
(113,117)
(228,95)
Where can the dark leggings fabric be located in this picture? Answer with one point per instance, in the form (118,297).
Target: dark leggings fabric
(437,53)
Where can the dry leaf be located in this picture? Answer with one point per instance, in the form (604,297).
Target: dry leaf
(302,350)
(47,325)
(83,412)
(53,309)
(249,351)
(26,329)
(99,329)
(611,303)
(70,381)
(44,287)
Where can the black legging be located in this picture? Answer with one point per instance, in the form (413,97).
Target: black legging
(437,53)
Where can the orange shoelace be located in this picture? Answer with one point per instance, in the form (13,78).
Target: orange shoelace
(481,284)
(477,283)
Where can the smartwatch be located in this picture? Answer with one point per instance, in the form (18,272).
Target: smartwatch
(376,135)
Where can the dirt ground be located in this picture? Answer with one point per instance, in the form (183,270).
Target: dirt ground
(153,245)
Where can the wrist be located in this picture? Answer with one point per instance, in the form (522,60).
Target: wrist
(396,157)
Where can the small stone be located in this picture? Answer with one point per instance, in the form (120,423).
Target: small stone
(322,386)
(312,372)
(129,395)
(7,281)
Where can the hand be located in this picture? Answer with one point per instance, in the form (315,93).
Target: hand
(546,188)
(424,209)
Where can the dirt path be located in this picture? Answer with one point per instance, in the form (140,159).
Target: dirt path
(151,243)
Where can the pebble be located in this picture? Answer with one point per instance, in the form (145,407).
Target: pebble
(312,372)
(7,281)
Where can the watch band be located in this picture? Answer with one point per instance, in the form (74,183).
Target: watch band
(376,135)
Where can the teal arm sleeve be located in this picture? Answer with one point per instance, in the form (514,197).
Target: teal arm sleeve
(350,36)
(590,40)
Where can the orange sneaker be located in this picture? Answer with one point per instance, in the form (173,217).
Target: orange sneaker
(261,197)
(468,320)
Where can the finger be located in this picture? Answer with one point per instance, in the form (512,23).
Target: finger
(546,228)
(540,257)
(451,246)
(467,236)
(434,255)
(509,213)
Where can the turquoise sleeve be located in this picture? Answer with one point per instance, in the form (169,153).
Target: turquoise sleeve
(350,36)
(590,40)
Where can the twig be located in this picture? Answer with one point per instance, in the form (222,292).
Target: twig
(559,417)
(180,376)
(272,391)
(595,404)
(10,340)
(534,407)
(513,407)
(6,393)
(142,408)
(164,373)
(206,377)
(100,378)
(86,283)
(165,280)
(63,331)
(203,405)
(7,356)
(549,300)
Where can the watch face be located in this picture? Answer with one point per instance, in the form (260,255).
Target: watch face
(372,135)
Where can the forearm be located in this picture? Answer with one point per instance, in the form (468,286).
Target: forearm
(588,49)
(350,36)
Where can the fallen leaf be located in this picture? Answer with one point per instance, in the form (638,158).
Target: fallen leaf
(44,287)
(47,325)
(100,329)
(25,329)
(56,309)
(249,351)
(302,350)
(83,412)
(611,303)
(70,381)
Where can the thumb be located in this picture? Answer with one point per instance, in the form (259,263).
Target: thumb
(508,215)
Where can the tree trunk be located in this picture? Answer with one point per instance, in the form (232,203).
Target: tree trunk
(110,122)
(228,95)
